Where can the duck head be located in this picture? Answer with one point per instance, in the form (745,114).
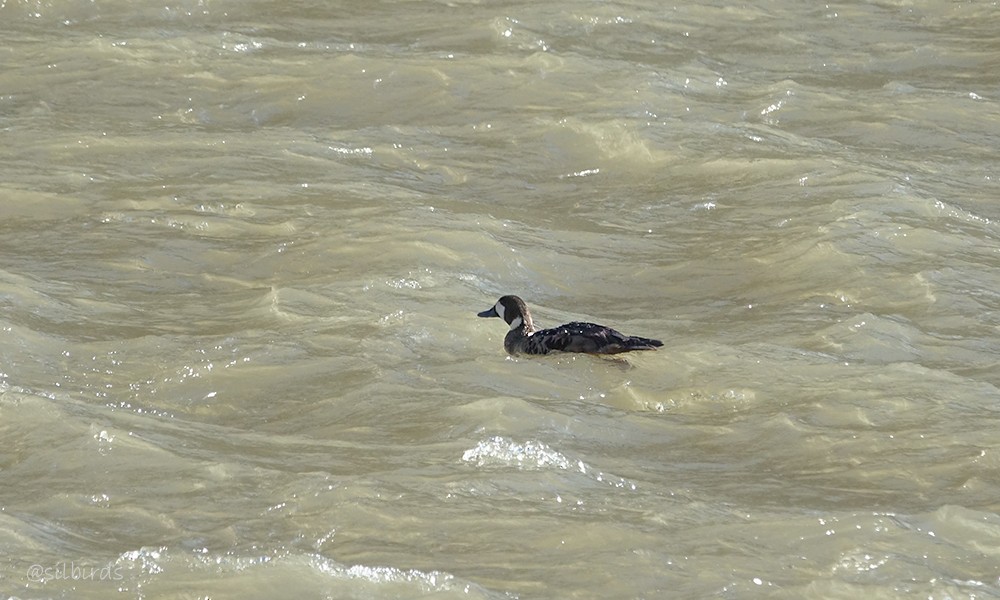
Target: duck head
(512,310)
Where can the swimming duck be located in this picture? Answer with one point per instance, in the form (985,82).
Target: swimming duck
(571,337)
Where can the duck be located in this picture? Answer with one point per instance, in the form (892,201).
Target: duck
(589,338)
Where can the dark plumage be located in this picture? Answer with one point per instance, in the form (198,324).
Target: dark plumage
(571,337)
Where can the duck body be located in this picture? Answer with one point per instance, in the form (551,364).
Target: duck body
(577,336)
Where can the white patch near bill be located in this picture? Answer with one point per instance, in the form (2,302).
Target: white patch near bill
(499,309)
(516,323)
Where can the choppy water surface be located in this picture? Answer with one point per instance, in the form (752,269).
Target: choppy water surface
(243,245)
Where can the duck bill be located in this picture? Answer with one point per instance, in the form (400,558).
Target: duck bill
(492,312)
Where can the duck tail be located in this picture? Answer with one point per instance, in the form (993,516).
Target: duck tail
(641,343)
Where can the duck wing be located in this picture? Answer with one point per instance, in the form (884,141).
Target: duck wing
(591,338)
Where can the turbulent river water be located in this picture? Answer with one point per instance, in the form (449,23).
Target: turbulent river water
(243,245)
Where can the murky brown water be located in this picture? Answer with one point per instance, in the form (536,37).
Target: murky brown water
(243,245)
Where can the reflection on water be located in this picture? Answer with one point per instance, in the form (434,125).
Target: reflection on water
(244,246)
